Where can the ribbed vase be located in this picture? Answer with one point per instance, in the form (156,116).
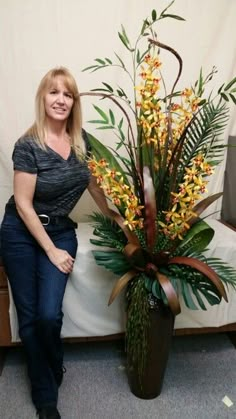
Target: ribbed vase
(149,384)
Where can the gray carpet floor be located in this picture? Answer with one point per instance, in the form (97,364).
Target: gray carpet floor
(201,370)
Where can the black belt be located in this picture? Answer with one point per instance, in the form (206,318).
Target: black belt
(56,220)
(46,220)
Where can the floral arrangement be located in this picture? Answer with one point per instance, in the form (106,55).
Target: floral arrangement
(172,144)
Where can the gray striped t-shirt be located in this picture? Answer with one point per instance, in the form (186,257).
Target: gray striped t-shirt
(60,183)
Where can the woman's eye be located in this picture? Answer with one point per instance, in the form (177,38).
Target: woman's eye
(53,92)
(69,95)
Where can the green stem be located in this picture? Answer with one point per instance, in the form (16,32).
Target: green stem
(111,97)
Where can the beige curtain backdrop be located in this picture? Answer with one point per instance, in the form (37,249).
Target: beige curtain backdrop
(38,35)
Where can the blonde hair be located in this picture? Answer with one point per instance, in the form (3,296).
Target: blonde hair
(74,123)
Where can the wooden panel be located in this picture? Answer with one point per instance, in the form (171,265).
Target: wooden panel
(229,200)
(117,336)
(5,330)
(202,330)
(3,278)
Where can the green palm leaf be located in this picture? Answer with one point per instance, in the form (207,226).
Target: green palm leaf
(205,129)
(226,273)
(204,269)
(199,298)
(198,284)
(113,261)
(109,233)
(195,287)
(197,238)
(187,295)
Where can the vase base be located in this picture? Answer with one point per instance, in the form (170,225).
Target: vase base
(144,396)
(150,389)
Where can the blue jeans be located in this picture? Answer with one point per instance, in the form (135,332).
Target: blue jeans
(38,288)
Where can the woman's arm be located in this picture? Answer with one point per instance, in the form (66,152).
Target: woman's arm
(24,188)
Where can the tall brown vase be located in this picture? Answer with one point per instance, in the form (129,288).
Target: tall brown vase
(149,385)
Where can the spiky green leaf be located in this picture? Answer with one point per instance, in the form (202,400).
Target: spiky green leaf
(112,117)
(172,16)
(108,61)
(233,98)
(100,61)
(230,84)
(120,60)
(144,27)
(90,67)
(108,87)
(125,35)
(224,96)
(102,113)
(97,121)
(154,15)
(106,127)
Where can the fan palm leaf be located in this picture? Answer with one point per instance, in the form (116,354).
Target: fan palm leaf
(108,231)
(204,132)
(113,261)
(200,136)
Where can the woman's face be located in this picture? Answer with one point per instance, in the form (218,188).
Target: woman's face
(58,101)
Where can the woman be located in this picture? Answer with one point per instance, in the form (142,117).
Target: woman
(38,238)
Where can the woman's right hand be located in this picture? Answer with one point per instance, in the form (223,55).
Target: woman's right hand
(61,259)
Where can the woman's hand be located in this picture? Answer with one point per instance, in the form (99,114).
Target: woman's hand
(61,259)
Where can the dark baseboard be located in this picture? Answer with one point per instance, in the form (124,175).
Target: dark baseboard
(232,336)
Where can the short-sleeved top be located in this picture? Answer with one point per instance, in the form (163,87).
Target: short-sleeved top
(60,182)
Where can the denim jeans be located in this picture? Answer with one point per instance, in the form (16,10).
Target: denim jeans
(38,288)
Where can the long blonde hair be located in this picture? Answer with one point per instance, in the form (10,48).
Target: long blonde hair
(74,123)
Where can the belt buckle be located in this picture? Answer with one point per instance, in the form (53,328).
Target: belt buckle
(46,217)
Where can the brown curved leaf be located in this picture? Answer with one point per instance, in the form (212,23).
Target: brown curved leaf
(135,255)
(120,284)
(169,290)
(202,205)
(175,53)
(150,207)
(204,269)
